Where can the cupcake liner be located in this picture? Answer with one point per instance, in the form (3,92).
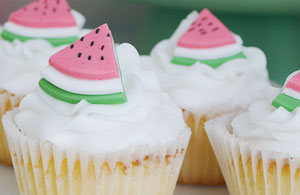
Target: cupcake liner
(42,168)
(200,165)
(248,168)
(8,101)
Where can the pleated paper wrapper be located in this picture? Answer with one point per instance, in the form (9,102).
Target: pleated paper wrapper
(200,165)
(248,168)
(42,168)
(8,101)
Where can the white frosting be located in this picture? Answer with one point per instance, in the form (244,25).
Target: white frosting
(148,119)
(47,32)
(82,86)
(21,63)
(210,53)
(271,128)
(291,93)
(202,89)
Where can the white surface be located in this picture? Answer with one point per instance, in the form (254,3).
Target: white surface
(8,186)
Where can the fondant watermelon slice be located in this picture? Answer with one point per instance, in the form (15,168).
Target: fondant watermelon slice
(288,101)
(294,83)
(44,14)
(92,58)
(207,31)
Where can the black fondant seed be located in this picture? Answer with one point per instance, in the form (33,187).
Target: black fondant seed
(72,46)
(97,31)
(90,57)
(108,34)
(92,43)
(81,39)
(102,47)
(79,55)
(102,58)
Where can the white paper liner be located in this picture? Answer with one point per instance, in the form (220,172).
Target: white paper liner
(8,101)
(41,167)
(248,168)
(200,166)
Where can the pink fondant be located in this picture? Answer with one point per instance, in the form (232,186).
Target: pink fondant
(294,83)
(92,57)
(44,14)
(207,31)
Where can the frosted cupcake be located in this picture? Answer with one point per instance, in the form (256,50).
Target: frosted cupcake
(258,150)
(208,72)
(101,125)
(29,38)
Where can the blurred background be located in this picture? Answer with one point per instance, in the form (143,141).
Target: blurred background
(272,25)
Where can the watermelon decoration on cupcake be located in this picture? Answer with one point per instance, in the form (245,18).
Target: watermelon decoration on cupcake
(86,70)
(207,40)
(52,20)
(290,95)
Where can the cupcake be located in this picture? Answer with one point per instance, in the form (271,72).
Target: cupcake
(97,124)
(258,149)
(29,38)
(208,72)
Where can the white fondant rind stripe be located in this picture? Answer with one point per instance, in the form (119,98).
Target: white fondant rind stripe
(47,32)
(81,86)
(291,93)
(210,53)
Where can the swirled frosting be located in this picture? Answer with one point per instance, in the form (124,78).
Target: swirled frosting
(21,62)
(269,127)
(148,119)
(203,89)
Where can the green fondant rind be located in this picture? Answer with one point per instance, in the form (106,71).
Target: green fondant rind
(213,63)
(183,61)
(9,36)
(286,102)
(73,98)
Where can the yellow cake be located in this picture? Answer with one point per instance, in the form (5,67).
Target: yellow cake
(7,102)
